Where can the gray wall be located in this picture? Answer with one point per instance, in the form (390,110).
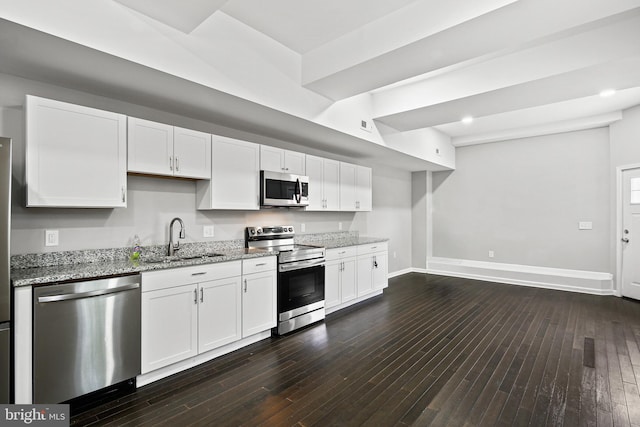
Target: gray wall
(152,202)
(523,200)
(419,217)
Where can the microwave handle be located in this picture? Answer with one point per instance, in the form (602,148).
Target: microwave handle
(298,193)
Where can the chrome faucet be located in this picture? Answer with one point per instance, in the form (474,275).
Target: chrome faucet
(173,247)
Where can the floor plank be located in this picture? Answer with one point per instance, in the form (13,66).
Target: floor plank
(431,350)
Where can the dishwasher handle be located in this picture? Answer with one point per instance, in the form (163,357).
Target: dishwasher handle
(81,295)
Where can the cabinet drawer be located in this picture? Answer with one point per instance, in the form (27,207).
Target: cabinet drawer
(373,248)
(161,279)
(340,253)
(256,265)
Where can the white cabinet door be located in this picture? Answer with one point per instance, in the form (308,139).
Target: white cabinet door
(363,189)
(380,270)
(294,162)
(324,184)
(347,187)
(279,160)
(258,302)
(332,283)
(150,147)
(315,172)
(192,153)
(219,313)
(75,156)
(235,178)
(365,275)
(348,287)
(331,184)
(271,159)
(169,326)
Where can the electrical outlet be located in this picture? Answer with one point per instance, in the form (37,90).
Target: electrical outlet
(340,226)
(51,237)
(302,227)
(585,225)
(394,254)
(491,254)
(207,231)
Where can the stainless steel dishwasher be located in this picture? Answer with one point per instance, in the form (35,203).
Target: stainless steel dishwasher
(86,336)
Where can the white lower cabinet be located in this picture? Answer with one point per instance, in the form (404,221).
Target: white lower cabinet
(259,292)
(372,268)
(220,313)
(354,273)
(340,276)
(169,326)
(187,311)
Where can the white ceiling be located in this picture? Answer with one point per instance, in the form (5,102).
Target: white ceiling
(518,67)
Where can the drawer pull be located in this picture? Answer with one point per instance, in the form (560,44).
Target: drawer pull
(261,264)
(202,273)
(342,253)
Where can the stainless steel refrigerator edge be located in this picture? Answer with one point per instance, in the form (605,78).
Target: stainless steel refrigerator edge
(5,280)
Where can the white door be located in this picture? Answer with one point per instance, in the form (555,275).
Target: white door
(631,233)
(314,172)
(271,159)
(219,313)
(192,153)
(258,302)
(331,184)
(150,147)
(169,326)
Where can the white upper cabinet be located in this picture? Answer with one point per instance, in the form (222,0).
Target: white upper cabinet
(160,149)
(279,160)
(324,184)
(235,178)
(75,156)
(355,188)
(192,153)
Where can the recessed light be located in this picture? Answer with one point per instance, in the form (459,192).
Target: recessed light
(607,93)
(466,120)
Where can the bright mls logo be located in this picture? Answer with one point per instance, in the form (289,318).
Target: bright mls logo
(36,415)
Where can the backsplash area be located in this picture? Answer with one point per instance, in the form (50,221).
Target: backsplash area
(89,256)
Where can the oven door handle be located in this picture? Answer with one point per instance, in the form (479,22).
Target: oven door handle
(300,265)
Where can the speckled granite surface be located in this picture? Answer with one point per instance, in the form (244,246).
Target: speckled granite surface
(53,267)
(337,240)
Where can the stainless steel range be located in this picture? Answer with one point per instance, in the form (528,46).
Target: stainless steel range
(300,276)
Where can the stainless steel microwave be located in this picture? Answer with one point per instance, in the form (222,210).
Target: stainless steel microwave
(283,190)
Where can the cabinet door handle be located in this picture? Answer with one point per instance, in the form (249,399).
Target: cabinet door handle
(375,262)
(245,285)
(195,296)
(177,164)
(170,163)
(201,294)
(123,193)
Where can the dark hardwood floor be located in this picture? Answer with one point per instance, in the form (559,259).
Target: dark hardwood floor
(431,351)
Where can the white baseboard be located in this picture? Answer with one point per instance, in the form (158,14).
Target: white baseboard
(401,272)
(589,282)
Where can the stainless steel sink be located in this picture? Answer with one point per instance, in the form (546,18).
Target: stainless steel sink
(172,258)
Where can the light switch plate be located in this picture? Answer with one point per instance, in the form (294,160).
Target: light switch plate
(51,237)
(585,225)
(207,231)
(303,227)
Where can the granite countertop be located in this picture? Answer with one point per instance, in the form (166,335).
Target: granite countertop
(94,270)
(48,268)
(354,241)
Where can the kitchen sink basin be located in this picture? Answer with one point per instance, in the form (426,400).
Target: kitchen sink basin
(167,259)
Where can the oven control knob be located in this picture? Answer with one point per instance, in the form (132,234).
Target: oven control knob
(253,231)
(259,231)
(290,229)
